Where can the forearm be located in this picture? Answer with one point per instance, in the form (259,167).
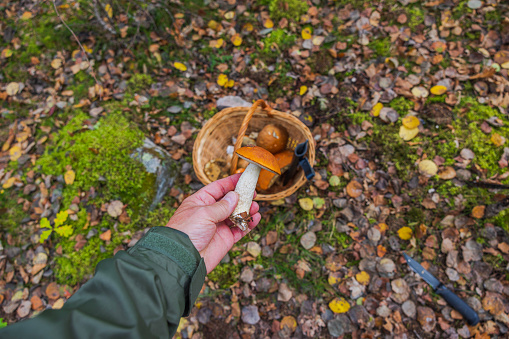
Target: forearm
(141,293)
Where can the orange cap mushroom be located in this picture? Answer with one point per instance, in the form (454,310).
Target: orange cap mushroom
(266,178)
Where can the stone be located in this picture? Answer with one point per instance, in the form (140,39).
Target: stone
(284,293)
(158,162)
(374,235)
(467,154)
(308,240)
(247,275)
(231,101)
(361,317)
(250,315)
(203,315)
(340,325)
(254,249)
(386,267)
(409,309)
(426,317)
(472,251)
(463,174)
(174,109)
(383,311)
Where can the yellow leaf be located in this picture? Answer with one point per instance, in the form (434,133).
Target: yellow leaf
(505,65)
(438,90)
(339,305)
(109,10)
(428,167)
(306,33)
(420,92)
(213,24)
(268,23)
(306,204)
(87,49)
(229,15)
(411,122)
(12,88)
(180,66)
(497,139)
(408,134)
(376,109)
(9,182)
(362,277)
(15,152)
(56,63)
(334,279)
(6,53)
(289,322)
(219,43)
(405,233)
(248,27)
(236,40)
(303,90)
(222,80)
(69,177)
(27,15)
(230,83)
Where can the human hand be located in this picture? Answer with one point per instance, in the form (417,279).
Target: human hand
(203,216)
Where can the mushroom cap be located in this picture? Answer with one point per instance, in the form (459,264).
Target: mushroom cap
(259,156)
(273,138)
(266,178)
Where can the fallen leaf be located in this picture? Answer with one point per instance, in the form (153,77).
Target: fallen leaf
(9,182)
(354,189)
(381,251)
(26,15)
(497,139)
(64,231)
(109,10)
(420,92)
(306,33)
(447,173)
(56,63)
(268,23)
(339,305)
(236,40)
(405,233)
(306,204)
(375,111)
(115,208)
(411,122)
(362,278)
(12,88)
(106,236)
(15,152)
(438,90)
(428,168)
(478,211)
(180,66)
(408,134)
(289,322)
(69,177)
(52,291)
(303,90)
(248,27)
(222,80)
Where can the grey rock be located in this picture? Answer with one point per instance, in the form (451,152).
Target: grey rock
(308,240)
(226,259)
(231,101)
(386,267)
(493,285)
(247,275)
(383,311)
(11,306)
(339,326)
(11,252)
(472,251)
(158,162)
(463,174)
(467,154)
(203,315)
(250,315)
(361,317)
(174,109)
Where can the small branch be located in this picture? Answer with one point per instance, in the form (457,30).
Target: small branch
(78,41)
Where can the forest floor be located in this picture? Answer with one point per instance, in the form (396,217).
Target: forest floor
(408,103)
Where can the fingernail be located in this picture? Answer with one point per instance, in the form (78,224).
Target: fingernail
(231,197)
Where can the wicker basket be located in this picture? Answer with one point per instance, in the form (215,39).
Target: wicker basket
(217,134)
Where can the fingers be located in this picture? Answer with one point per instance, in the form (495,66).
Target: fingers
(239,234)
(222,209)
(216,190)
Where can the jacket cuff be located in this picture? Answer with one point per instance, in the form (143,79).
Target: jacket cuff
(176,246)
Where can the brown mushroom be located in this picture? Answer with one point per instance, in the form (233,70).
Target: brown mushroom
(273,138)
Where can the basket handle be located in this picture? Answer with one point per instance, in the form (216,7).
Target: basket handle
(243,129)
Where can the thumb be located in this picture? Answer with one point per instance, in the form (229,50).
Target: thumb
(222,209)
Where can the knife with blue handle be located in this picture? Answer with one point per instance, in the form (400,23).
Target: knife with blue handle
(452,299)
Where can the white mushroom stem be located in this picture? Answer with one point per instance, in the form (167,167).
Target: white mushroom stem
(245,188)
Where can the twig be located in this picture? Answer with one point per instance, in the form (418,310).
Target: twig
(78,41)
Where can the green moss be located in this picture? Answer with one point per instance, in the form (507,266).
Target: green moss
(100,158)
(139,82)
(277,42)
(289,9)
(225,275)
(12,212)
(415,17)
(380,47)
(501,220)
(402,105)
(436,98)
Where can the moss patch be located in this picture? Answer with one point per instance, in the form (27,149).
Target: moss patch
(289,9)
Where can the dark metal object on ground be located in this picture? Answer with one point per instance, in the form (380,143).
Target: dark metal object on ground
(452,299)
(299,159)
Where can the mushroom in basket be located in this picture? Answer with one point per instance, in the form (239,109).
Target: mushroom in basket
(258,158)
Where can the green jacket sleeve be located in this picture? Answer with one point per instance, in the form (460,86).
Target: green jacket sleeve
(141,293)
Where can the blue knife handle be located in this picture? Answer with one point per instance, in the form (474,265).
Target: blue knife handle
(458,304)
